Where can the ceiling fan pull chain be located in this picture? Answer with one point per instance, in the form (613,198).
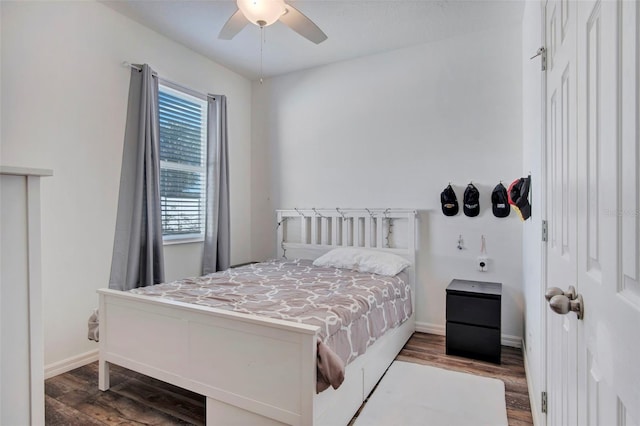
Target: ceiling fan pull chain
(262,40)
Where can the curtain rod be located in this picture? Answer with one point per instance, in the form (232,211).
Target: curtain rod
(172,84)
(130,65)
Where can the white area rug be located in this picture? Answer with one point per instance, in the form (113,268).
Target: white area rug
(414,394)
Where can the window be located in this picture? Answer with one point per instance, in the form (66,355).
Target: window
(183,148)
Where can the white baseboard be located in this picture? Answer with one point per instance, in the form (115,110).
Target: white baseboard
(533,396)
(440,330)
(425,327)
(511,341)
(69,364)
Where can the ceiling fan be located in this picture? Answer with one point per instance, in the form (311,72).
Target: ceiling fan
(264,13)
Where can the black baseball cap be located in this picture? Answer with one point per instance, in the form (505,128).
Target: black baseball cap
(449,201)
(471,206)
(500,201)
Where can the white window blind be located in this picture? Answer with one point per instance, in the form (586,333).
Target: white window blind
(183,144)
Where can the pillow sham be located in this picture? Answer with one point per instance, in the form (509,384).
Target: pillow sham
(363,260)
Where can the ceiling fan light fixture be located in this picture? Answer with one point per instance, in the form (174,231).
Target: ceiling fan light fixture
(262,12)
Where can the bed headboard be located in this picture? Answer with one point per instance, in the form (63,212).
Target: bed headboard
(309,233)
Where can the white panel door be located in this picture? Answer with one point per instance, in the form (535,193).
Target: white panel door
(561,193)
(595,362)
(608,268)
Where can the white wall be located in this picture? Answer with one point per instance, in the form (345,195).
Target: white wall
(391,130)
(64,100)
(0,83)
(532,147)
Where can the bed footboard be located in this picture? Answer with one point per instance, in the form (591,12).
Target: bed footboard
(261,367)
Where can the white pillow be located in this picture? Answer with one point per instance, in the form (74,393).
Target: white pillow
(363,260)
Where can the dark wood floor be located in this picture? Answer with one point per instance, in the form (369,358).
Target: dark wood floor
(73,398)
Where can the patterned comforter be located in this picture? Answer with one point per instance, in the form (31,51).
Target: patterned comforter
(352,309)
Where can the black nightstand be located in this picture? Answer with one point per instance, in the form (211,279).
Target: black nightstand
(473,319)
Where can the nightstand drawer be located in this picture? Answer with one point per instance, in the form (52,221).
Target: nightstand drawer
(475,310)
(473,342)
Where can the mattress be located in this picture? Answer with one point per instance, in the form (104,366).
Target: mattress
(352,309)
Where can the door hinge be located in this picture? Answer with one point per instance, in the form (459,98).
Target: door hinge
(544,402)
(545,230)
(542,52)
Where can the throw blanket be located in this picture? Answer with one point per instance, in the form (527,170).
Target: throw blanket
(330,371)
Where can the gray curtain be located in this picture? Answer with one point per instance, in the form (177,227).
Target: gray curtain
(138,259)
(217,246)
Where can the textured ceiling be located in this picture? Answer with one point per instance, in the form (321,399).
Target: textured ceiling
(354,28)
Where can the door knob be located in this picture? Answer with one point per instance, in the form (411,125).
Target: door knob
(555,291)
(561,304)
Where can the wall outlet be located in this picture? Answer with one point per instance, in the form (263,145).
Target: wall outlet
(483,263)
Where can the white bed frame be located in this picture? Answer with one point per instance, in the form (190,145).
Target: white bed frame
(255,370)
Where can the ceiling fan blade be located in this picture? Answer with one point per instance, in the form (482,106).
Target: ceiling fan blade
(304,26)
(233,26)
